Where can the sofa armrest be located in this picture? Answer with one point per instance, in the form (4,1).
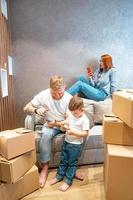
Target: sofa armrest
(30,122)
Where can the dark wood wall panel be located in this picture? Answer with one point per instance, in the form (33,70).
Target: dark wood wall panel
(7,119)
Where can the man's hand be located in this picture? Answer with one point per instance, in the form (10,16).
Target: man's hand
(29,108)
(41,111)
(52,124)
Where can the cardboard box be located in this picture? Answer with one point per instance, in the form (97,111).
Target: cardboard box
(122,106)
(23,187)
(14,169)
(115,131)
(118,172)
(16,142)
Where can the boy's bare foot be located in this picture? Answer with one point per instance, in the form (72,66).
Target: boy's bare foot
(63,187)
(53,181)
(79,176)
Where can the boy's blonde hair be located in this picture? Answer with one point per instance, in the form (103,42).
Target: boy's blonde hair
(56,82)
(75,103)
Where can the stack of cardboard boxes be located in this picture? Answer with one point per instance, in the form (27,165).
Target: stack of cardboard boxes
(18,173)
(118,137)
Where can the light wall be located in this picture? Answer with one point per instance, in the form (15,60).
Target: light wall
(62,37)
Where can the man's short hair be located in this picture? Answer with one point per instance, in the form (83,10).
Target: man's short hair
(56,82)
(75,103)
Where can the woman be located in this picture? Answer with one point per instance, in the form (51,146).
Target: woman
(100,85)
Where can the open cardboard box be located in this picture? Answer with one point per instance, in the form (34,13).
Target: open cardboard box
(115,131)
(122,106)
(16,142)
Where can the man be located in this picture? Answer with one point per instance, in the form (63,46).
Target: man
(52,103)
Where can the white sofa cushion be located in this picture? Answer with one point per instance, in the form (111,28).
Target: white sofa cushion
(95,110)
(101,108)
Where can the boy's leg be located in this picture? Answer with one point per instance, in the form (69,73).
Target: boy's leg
(62,166)
(45,152)
(78,175)
(74,153)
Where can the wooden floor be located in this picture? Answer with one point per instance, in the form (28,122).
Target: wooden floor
(92,188)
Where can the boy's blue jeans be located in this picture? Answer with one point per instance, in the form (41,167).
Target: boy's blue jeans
(46,142)
(83,86)
(69,159)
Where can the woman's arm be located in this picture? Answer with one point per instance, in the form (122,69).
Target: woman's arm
(94,78)
(113,82)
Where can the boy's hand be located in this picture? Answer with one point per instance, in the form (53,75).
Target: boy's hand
(64,127)
(69,132)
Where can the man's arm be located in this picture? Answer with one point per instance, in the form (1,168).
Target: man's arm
(57,124)
(29,108)
(32,109)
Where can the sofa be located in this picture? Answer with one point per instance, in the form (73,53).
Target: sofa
(93,147)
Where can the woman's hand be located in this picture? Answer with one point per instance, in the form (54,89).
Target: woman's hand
(89,71)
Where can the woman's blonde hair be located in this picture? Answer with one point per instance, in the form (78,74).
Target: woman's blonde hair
(75,103)
(56,82)
(107,61)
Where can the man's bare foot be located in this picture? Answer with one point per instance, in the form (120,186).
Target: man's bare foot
(53,181)
(42,179)
(79,176)
(63,187)
(43,176)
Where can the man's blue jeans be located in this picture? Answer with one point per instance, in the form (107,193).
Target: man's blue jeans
(69,159)
(83,86)
(46,142)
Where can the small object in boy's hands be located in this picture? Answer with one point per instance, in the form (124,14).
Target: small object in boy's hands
(66,126)
(89,71)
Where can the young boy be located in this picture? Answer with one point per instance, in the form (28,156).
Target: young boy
(76,127)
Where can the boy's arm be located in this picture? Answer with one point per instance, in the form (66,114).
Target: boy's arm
(77,133)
